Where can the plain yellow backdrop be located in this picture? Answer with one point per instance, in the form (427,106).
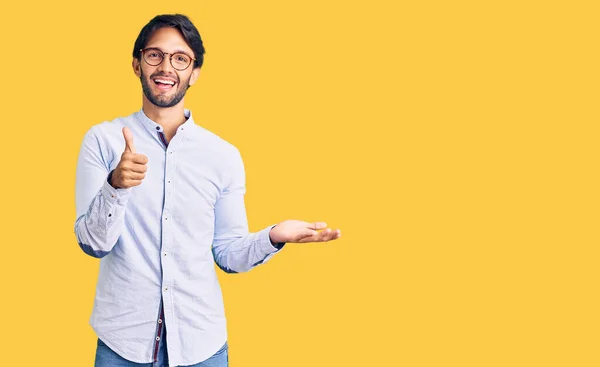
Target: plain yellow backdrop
(454,143)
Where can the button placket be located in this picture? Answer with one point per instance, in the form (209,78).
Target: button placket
(159,332)
(167,226)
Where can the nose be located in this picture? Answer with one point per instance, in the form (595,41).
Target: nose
(165,66)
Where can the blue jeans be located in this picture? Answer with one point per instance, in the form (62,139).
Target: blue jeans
(106,357)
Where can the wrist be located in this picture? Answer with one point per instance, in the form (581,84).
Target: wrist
(274,240)
(109,179)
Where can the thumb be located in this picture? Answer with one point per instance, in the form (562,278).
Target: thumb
(128,140)
(317,225)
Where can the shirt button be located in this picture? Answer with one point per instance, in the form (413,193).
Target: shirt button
(157,338)
(165,254)
(159,321)
(158,128)
(113,195)
(166,288)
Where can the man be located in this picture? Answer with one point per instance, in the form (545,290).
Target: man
(160,199)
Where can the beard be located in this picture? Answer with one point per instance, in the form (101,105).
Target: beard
(161,100)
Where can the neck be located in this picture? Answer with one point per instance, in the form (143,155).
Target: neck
(169,118)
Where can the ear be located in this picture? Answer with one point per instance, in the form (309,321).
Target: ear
(194,76)
(136,67)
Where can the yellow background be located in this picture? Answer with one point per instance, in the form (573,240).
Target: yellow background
(454,143)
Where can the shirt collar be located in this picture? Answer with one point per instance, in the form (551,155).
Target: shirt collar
(153,126)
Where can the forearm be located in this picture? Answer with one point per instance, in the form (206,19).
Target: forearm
(236,255)
(98,229)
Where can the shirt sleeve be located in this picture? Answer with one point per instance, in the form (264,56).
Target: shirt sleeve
(100,207)
(234,249)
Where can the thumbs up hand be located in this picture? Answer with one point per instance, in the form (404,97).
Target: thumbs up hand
(131,170)
(128,140)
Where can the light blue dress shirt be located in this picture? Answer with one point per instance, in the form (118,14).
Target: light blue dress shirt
(158,241)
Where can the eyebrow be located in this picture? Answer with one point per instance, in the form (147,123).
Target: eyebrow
(174,52)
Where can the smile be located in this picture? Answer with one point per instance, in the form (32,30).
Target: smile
(164,84)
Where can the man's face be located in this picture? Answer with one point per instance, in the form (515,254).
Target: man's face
(163,85)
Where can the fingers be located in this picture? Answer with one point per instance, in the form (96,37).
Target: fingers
(130,166)
(323,236)
(136,158)
(128,140)
(138,168)
(309,234)
(132,183)
(334,235)
(134,176)
(317,225)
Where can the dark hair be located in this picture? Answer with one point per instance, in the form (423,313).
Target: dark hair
(178,21)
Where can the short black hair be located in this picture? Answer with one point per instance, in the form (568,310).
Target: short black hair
(178,21)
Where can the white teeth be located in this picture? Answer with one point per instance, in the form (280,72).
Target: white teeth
(164,81)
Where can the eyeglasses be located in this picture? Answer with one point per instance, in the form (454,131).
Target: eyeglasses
(179,60)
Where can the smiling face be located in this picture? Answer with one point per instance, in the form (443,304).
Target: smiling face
(163,85)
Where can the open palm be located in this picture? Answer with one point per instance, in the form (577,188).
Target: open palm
(297,231)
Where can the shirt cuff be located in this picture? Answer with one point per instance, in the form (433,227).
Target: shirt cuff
(265,241)
(113,195)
